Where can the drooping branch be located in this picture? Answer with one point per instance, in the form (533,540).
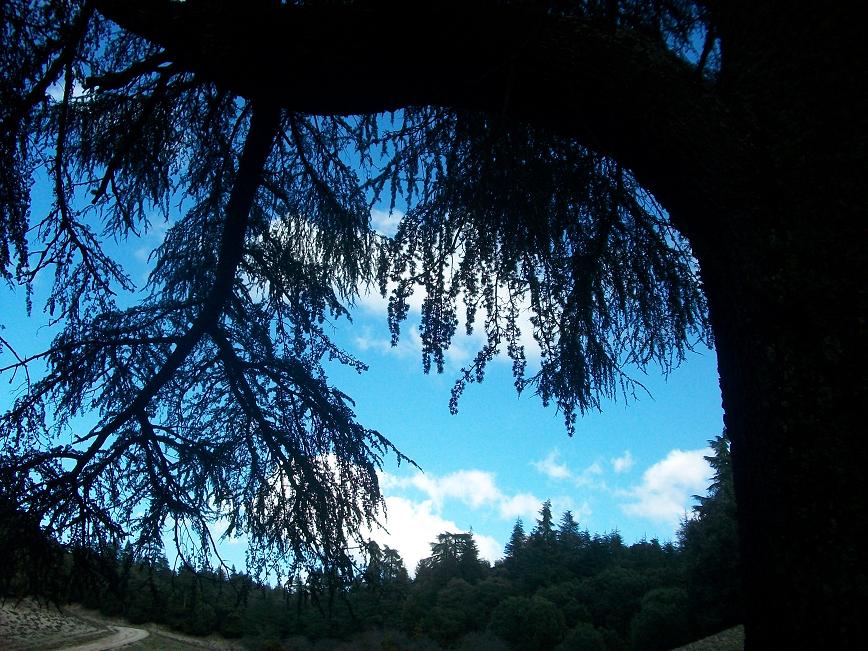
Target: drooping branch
(260,138)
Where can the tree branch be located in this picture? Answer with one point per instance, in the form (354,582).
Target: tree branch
(573,75)
(264,125)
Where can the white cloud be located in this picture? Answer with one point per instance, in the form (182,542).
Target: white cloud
(668,486)
(551,467)
(594,469)
(414,523)
(57,89)
(411,527)
(521,505)
(370,300)
(409,345)
(474,488)
(527,507)
(590,477)
(555,469)
(624,463)
(218,532)
(489,548)
(385,222)
(560,503)
(580,513)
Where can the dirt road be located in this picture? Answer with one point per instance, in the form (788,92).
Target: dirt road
(26,625)
(121,636)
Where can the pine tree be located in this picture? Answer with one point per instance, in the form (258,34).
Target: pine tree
(544,532)
(394,570)
(374,573)
(568,534)
(517,541)
(709,542)
(470,566)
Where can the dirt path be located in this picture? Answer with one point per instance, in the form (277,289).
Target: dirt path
(121,636)
(30,626)
(26,625)
(731,639)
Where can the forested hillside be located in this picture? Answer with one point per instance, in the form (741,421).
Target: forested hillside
(557,586)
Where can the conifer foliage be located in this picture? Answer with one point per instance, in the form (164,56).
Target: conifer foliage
(202,395)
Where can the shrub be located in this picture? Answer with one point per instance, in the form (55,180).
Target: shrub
(533,624)
(662,623)
(583,637)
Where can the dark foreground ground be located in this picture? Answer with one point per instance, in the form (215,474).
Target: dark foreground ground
(28,626)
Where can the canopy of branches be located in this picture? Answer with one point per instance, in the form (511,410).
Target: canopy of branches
(203,391)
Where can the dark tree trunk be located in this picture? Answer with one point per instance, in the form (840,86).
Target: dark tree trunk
(785,272)
(787,307)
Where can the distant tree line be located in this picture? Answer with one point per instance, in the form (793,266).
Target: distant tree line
(557,587)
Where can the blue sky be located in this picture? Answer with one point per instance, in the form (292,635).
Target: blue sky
(633,467)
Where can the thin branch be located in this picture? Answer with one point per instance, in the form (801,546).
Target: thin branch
(115,80)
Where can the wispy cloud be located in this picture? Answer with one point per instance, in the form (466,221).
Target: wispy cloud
(581,512)
(624,463)
(590,477)
(408,346)
(385,222)
(478,491)
(520,505)
(668,486)
(461,350)
(551,467)
(474,488)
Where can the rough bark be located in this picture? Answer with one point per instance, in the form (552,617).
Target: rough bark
(785,280)
(792,380)
(764,173)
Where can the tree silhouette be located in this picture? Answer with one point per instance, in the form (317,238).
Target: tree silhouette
(454,555)
(569,535)
(530,145)
(709,541)
(544,533)
(517,541)
(211,397)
